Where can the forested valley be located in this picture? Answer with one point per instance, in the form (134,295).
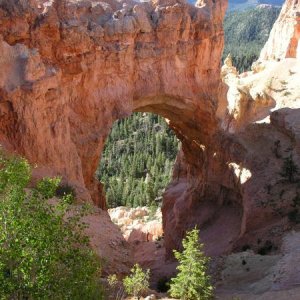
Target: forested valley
(246,32)
(138,160)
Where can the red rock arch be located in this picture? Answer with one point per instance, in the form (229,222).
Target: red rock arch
(69,70)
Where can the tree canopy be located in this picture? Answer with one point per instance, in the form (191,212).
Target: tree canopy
(137,161)
(192,281)
(44,253)
(246,32)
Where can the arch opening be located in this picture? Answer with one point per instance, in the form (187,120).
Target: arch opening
(135,169)
(137,161)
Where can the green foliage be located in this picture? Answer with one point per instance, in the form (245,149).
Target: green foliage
(137,160)
(137,282)
(47,186)
(112,280)
(64,190)
(152,212)
(13,170)
(44,253)
(192,281)
(246,32)
(289,169)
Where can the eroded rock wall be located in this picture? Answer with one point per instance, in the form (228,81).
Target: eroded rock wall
(69,69)
(235,192)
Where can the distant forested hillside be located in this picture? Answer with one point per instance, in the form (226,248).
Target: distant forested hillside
(246,32)
(137,161)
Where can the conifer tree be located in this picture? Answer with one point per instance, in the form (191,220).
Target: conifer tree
(137,146)
(192,281)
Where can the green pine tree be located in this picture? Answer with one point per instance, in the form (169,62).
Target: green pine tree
(192,281)
(137,145)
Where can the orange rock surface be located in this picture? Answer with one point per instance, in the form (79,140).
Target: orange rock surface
(69,69)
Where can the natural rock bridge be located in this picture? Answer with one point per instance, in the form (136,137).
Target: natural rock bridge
(70,68)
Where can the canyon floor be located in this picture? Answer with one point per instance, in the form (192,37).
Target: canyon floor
(243,275)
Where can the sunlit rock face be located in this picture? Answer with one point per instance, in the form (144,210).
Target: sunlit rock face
(69,69)
(236,193)
(140,224)
(285,35)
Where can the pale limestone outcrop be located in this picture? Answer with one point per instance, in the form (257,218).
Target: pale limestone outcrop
(139,224)
(273,82)
(285,35)
(252,274)
(252,96)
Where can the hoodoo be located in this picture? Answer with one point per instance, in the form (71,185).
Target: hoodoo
(69,69)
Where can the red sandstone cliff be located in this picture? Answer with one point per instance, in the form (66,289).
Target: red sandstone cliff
(69,69)
(235,192)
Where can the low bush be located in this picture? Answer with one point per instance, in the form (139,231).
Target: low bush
(163,284)
(65,189)
(117,291)
(137,282)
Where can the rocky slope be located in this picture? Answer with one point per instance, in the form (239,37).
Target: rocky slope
(142,229)
(140,224)
(108,243)
(253,201)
